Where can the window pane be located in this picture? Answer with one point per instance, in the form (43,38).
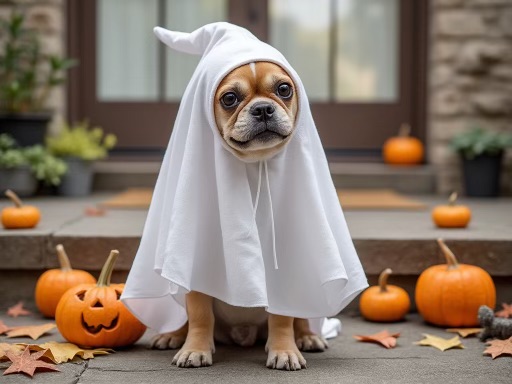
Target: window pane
(187,16)
(300,30)
(127,50)
(367,50)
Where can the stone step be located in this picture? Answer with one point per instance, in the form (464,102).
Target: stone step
(116,175)
(401,240)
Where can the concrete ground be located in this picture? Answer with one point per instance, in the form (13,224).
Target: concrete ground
(346,361)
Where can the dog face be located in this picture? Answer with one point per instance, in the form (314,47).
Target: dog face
(255,109)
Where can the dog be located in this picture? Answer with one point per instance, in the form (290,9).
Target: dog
(255,109)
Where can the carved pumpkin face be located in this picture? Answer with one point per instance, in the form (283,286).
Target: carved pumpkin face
(92,315)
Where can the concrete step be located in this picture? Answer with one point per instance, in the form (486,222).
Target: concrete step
(116,175)
(401,240)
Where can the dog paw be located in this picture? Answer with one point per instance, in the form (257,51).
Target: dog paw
(170,340)
(311,343)
(186,358)
(286,360)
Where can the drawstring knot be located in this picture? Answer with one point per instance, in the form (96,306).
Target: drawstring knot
(261,164)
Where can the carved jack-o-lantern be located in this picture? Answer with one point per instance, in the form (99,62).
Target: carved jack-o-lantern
(91,315)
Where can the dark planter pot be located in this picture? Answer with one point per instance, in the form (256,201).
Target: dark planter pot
(78,179)
(20,180)
(482,175)
(27,129)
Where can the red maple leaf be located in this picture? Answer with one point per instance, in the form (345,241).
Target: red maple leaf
(18,310)
(28,363)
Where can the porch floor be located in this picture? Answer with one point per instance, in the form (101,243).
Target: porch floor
(346,361)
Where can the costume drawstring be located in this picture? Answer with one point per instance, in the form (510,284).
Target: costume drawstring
(271,208)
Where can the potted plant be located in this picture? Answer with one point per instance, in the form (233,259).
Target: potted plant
(79,146)
(22,168)
(482,154)
(26,79)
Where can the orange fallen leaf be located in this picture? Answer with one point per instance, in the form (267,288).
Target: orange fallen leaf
(3,328)
(465,332)
(384,338)
(28,363)
(33,331)
(18,310)
(6,347)
(499,347)
(506,312)
(94,211)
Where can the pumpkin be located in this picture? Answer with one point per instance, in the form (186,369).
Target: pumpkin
(450,294)
(384,303)
(403,149)
(52,284)
(20,216)
(451,215)
(92,316)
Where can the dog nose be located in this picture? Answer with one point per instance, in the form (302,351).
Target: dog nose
(262,110)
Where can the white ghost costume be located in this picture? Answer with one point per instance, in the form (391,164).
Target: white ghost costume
(269,233)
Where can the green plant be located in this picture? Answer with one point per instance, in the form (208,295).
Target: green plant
(26,74)
(81,141)
(41,162)
(479,141)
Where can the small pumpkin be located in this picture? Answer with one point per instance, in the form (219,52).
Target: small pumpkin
(53,283)
(20,216)
(384,303)
(451,215)
(92,316)
(450,294)
(403,149)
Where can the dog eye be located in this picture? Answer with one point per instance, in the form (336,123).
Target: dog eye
(284,90)
(229,99)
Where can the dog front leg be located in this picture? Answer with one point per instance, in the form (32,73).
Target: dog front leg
(281,347)
(199,345)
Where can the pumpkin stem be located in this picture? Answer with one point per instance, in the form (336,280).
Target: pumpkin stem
(106,271)
(405,130)
(65,265)
(453,198)
(383,279)
(451,260)
(14,198)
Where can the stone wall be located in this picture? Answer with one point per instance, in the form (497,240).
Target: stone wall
(470,79)
(48,18)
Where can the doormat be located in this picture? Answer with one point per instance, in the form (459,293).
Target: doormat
(351,199)
(381,199)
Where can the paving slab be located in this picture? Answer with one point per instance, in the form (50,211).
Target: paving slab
(346,361)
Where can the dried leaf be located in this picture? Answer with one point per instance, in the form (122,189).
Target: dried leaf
(18,310)
(465,332)
(63,352)
(506,312)
(28,363)
(499,347)
(33,331)
(5,347)
(3,328)
(384,338)
(440,343)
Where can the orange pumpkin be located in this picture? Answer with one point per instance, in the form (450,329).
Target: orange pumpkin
(52,284)
(403,149)
(20,216)
(384,302)
(450,294)
(92,316)
(451,215)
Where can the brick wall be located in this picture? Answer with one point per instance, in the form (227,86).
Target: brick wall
(470,79)
(47,16)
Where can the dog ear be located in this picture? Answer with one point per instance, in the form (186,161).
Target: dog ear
(485,315)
